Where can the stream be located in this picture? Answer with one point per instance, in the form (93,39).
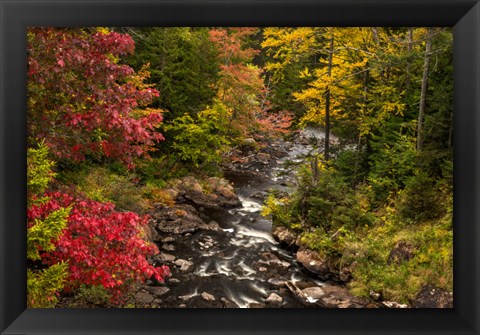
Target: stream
(241,264)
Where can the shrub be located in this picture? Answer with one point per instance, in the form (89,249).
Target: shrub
(201,140)
(419,200)
(43,283)
(101,246)
(101,184)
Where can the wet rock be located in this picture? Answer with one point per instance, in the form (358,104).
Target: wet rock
(183,264)
(393,304)
(157,291)
(270,259)
(168,239)
(185,297)
(317,264)
(305,284)
(278,282)
(285,236)
(401,252)
(433,297)
(173,280)
(150,233)
(164,257)
(330,296)
(221,187)
(168,247)
(228,303)
(212,201)
(213,226)
(189,183)
(181,219)
(260,195)
(274,299)
(208,297)
(143,298)
(217,194)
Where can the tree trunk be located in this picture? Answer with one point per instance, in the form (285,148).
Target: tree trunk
(326,151)
(423,93)
(409,46)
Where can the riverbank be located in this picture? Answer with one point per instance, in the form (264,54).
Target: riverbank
(223,253)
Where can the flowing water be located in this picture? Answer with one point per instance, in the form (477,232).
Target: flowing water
(233,263)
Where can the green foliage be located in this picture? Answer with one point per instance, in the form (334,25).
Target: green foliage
(183,66)
(43,233)
(330,203)
(393,161)
(280,211)
(419,200)
(101,184)
(44,285)
(39,168)
(201,140)
(159,170)
(330,245)
(92,296)
(432,261)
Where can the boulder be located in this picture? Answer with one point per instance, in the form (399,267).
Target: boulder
(221,187)
(393,304)
(189,184)
(149,232)
(220,193)
(274,299)
(164,257)
(285,236)
(168,239)
(260,195)
(228,303)
(401,252)
(270,259)
(168,247)
(181,219)
(183,264)
(330,296)
(317,264)
(207,296)
(143,298)
(433,297)
(157,291)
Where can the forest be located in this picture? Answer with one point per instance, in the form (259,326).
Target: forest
(240,167)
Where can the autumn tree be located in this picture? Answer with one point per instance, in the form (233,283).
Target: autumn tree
(83,101)
(240,85)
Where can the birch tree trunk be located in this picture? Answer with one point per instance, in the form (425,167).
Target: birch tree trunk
(326,151)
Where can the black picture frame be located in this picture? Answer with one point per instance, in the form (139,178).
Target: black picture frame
(16,15)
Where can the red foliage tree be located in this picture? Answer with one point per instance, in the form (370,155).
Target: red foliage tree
(240,86)
(102,246)
(83,101)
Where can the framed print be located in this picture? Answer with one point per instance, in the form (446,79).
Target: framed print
(253,167)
